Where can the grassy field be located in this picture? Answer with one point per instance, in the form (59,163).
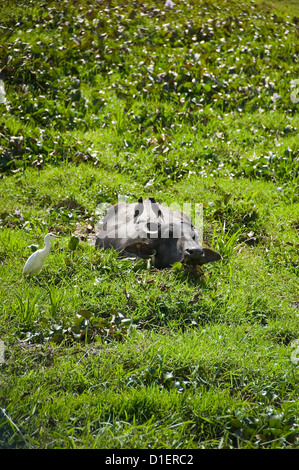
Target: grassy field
(195,103)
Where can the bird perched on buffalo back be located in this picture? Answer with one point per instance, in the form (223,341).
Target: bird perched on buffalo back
(138,209)
(156,208)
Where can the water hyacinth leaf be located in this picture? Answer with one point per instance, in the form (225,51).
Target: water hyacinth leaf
(57,337)
(85,313)
(168,380)
(117,318)
(80,321)
(73,243)
(177,266)
(76,331)
(168,375)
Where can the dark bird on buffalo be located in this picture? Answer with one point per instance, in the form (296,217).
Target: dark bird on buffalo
(138,209)
(155,207)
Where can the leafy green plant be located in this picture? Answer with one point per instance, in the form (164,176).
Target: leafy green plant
(73,243)
(56,298)
(89,328)
(225,241)
(27,308)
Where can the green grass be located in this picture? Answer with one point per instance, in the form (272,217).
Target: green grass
(189,104)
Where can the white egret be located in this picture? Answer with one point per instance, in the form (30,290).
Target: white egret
(36,261)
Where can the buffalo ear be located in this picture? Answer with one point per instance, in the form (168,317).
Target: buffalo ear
(210,255)
(141,249)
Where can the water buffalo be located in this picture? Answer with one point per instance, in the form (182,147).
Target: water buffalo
(146,229)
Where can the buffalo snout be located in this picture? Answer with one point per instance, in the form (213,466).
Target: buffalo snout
(194,253)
